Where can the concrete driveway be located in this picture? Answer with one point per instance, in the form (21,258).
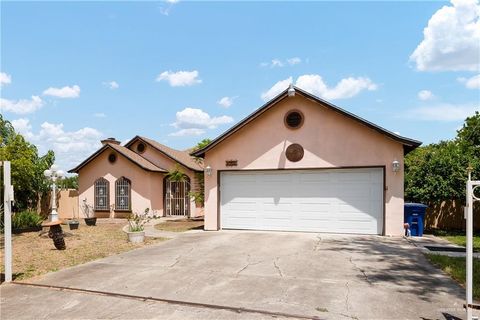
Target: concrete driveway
(248,275)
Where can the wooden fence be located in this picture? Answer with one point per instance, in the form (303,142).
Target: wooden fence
(449,215)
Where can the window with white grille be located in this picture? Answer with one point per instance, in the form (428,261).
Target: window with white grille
(122,194)
(101,201)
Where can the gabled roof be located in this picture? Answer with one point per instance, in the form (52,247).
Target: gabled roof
(182,157)
(408,144)
(125,152)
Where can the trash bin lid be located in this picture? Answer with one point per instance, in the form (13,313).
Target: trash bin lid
(415,205)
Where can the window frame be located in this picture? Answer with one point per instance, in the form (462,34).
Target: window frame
(125,183)
(101,183)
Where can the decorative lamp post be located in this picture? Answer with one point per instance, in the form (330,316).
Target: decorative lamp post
(55,232)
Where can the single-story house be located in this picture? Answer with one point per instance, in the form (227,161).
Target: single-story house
(300,163)
(118,180)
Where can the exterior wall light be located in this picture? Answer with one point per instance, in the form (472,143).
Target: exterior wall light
(395,166)
(291,91)
(208,170)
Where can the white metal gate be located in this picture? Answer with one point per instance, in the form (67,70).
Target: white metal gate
(177,199)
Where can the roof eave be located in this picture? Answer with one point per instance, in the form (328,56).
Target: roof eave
(409,144)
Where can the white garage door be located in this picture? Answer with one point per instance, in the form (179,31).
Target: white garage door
(339,200)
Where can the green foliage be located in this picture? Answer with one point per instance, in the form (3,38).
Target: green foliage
(176,174)
(137,221)
(6,131)
(199,194)
(27,166)
(68,183)
(202,144)
(438,171)
(26,219)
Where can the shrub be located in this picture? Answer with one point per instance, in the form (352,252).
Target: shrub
(26,219)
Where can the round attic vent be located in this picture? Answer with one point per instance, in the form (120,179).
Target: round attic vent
(294,152)
(112,157)
(294,119)
(141,147)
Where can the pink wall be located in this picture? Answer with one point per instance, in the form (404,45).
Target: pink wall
(147,187)
(162,161)
(329,139)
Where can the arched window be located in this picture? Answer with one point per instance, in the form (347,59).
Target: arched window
(101,191)
(122,194)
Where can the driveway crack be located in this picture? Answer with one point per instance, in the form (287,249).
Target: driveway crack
(278,267)
(347,296)
(249,263)
(361,271)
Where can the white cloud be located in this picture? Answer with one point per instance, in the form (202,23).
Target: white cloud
(279,63)
(166,10)
(345,88)
(70,147)
(65,92)
(5,79)
(276,89)
(313,83)
(226,101)
(179,78)
(425,95)
(187,132)
(111,85)
(23,127)
(451,39)
(22,106)
(471,83)
(99,115)
(197,118)
(443,112)
(293,61)
(191,121)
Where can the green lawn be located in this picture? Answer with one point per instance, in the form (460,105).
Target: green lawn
(458,237)
(455,267)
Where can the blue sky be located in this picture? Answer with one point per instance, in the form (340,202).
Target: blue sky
(73,73)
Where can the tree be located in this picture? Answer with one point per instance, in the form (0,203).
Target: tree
(6,131)
(438,171)
(202,144)
(27,167)
(68,183)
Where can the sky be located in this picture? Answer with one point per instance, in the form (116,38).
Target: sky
(72,73)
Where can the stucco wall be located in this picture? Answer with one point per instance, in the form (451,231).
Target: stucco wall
(146,187)
(330,140)
(162,161)
(67,206)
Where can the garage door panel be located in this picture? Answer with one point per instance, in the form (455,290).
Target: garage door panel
(339,200)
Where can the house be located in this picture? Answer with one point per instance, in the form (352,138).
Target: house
(118,180)
(300,163)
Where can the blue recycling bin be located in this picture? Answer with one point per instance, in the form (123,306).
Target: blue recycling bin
(414,215)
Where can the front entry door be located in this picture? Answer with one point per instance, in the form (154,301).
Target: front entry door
(177,199)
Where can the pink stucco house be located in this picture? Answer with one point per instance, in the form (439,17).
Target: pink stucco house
(300,163)
(118,180)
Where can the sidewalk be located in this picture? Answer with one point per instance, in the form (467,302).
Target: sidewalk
(437,244)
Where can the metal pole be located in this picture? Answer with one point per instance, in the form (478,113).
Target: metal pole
(469,235)
(54,214)
(7,222)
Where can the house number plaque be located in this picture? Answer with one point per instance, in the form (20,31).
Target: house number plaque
(231,163)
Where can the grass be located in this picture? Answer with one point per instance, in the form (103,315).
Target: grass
(34,255)
(180,225)
(458,238)
(455,267)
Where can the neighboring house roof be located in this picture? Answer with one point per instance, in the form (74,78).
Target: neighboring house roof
(182,157)
(127,153)
(409,144)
